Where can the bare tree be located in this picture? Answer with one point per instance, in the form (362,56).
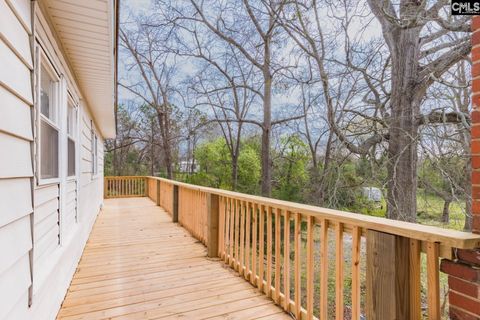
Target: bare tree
(155,68)
(412,31)
(253,31)
(447,145)
(420,52)
(224,87)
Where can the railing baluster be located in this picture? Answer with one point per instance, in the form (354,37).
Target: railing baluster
(356,242)
(247,239)
(310,265)
(433,284)
(227,231)
(286,263)
(253,280)
(242,236)
(298,265)
(339,271)
(237,234)
(231,260)
(278,256)
(415,281)
(221,231)
(269,252)
(261,245)
(324,270)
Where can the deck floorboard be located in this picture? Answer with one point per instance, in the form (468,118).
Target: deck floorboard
(139,265)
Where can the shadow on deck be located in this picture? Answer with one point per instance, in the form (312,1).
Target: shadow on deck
(139,265)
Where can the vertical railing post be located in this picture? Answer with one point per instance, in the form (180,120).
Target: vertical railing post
(388,277)
(105,188)
(213,213)
(158,192)
(175,204)
(146,186)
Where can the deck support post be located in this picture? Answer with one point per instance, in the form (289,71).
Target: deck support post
(158,193)
(146,186)
(388,277)
(212,223)
(175,204)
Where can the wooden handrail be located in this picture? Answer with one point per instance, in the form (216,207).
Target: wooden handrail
(451,238)
(271,242)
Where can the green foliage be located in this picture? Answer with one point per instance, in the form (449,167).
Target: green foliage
(214,161)
(290,173)
(249,169)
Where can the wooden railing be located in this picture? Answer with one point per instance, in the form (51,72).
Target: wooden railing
(124,187)
(317,262)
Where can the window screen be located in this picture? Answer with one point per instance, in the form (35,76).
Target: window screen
(49,151)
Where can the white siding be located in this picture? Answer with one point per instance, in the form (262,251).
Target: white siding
(11,209)
(46,228)
(22,11)
(15,73)
(16,115)
(15,34)
(34,219)
(69,220)
(19,165)
(16,169)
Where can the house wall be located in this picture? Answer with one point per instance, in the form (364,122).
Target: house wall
(43,228)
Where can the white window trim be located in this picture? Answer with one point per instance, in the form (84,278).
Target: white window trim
(74,137)
(44,62)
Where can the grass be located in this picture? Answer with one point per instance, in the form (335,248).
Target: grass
(429,211)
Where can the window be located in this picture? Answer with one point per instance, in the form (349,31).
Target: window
(49,131)
(71,132)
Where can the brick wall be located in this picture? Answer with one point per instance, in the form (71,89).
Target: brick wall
(464,271)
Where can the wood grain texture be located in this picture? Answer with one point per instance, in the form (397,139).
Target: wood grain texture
(356,242)
(278,255)
(415,282)
(286,262)
(310,266)
(298,265)
(324,270)
(127,273)
(433,281)
(339,277)
(388,276)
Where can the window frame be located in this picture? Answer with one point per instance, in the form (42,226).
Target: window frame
(72,136)
(45,64)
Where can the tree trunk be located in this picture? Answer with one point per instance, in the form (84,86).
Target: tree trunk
(115,160)
(234,172)
(446,210)
(403,130)
(165,133)
(323,182)
(267,128)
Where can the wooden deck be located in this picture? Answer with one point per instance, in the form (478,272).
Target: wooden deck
(139,265)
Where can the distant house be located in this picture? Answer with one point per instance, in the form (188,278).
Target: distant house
(372,194)
(187,167)
(57,80)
